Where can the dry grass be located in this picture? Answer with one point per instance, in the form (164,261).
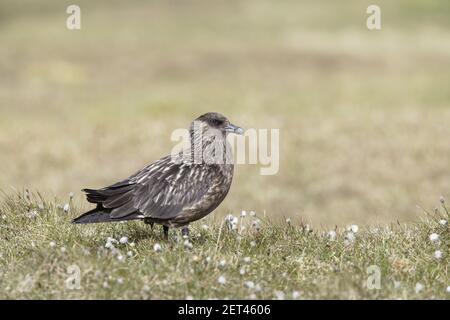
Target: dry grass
(40,251)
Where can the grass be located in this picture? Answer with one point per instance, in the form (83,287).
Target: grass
(40,250)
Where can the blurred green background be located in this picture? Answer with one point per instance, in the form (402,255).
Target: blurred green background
(363,115)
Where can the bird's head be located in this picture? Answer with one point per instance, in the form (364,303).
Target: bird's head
(213,121)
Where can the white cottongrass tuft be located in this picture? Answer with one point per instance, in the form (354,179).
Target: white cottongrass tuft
(121,258)
(52,244)
(109,245)
(350,237)
(205,227)
(252,213)
(66,207)
(63,249)
(419,287)
(130,253)
(112,240)
(295,295)
(434,237)
(247,259)
(123,240)
(222,263)
(253,244)
(222,280)
(353,228)
(249,284)
(242,271)
(231,222)
(256,224)
(187,244)
(279,295)
(157,247)
(119,280)
(443,222)
(438,254)
(243,213)
(331,235)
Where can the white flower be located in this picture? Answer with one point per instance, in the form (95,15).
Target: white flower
(256,224)
(109,245)
(252,213)
(279,295)
(105,284)
(443,222)
(187,244)
(448,289)
(205,227)
(295,295)
(32,214)
(231,221)
(208,259)
(288,220)
(222,263)
(66,207)
(253,243)
(434,237)
(123,240)
(120,258)
(249,284)
(418,287)
(132,244)
(189,298)
(119,280)
(222,280)
(350,236)
(52,244)
(242,271)
(112,240)
(331,235)
(247,259)
(243,213)
(157,247)
(438,254)
(353,228)
(63,249)
(130,253)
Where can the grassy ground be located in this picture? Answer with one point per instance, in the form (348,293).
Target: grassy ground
(40,250)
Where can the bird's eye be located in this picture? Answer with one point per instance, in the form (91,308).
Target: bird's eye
(217,122)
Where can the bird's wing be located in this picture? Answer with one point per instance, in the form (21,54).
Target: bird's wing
(160,190)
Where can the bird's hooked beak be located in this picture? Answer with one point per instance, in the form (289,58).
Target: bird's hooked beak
(234,129)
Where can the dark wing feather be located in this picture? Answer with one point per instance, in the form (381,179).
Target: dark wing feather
(161,190)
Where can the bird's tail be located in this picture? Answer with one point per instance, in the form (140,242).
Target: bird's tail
(100,214)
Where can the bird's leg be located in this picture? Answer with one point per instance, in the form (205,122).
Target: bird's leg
(185,231)
(166,232)
(151,223)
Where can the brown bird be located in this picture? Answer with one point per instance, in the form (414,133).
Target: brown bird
(177,189)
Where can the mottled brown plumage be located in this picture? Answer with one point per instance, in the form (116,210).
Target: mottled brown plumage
(177,189)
